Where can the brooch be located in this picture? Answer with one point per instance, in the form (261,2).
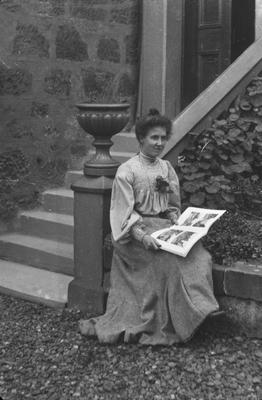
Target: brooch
(162,186)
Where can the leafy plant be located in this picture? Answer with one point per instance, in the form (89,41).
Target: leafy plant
(222,168)
(15,188)
(233,238)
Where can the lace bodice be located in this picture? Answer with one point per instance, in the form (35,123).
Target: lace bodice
(134,192)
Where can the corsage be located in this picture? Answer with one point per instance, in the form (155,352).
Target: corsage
(162,186)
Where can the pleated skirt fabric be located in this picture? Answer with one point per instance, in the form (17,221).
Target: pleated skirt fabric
(156,298)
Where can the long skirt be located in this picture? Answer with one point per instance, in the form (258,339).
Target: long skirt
(156,298)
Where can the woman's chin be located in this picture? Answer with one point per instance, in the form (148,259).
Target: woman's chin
(157,152)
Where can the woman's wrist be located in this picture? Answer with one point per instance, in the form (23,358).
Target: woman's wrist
(138,232)
(173,215)
(145,236)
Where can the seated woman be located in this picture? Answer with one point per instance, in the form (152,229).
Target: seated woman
(156,298)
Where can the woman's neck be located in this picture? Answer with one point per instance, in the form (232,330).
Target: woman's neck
(147,158)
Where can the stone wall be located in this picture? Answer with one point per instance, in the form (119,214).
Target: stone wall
(55,53)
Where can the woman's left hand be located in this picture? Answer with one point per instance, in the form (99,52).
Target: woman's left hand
(150,243)
(173,219)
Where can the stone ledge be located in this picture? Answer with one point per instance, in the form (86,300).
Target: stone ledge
(238,290)
(242,280)
(242,316)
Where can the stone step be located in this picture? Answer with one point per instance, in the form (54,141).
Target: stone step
(33,284)
(125,141)
(38,252)
(71,177)
(60,200)
(49,225)
(74,175)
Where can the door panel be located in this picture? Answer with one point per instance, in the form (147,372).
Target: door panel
(210,12)
(214,45)
(209,66)
(207,44)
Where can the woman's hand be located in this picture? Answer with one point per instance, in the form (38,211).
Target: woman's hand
(173,219)
(150,243)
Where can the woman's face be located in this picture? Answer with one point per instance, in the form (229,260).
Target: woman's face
(154,142)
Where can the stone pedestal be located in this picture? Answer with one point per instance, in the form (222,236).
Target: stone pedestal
(92,195)
(91,225)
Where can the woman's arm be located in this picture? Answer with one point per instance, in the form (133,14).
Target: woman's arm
(122,213)
(174,204)
(138,232)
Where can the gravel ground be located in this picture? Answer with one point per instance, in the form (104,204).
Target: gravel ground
(43,356)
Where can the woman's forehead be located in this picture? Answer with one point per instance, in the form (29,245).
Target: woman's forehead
(157,130)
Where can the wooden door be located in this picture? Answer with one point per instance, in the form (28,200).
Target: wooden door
(207,44)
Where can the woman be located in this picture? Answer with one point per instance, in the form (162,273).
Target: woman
(156,298)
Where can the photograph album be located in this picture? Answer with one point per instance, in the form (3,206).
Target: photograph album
(191,226)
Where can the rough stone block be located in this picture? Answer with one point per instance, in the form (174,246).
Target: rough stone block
(29,41)
(14,81)
(69,44)
(83,3)
(97,84)
(57,7)
(126,85)
(52,8)
(46,8)
(58,82)
(108,50)
(132,44)
(125,2)
(11,6)
(86,10)
(244,281)
(39,109)
(125,15)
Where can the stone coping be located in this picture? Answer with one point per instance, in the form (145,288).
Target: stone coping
(242,280)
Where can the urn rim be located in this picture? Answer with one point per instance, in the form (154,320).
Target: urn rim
(103,106)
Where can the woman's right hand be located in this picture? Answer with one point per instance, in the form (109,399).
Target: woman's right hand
(150,243)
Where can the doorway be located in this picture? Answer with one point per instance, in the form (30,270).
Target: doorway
(216,32)
(243,26)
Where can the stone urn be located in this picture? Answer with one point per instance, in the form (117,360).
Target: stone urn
(102,121)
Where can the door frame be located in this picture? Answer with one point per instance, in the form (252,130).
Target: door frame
(161,56)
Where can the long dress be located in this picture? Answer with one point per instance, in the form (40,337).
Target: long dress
(155,298)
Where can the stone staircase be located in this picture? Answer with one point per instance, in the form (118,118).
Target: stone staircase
(37,260)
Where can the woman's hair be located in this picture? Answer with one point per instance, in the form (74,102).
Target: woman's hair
(151,120)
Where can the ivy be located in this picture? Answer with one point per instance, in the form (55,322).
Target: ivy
(234,238)
(15,189)
(222,168)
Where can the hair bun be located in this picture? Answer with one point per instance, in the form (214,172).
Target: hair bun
(153,112)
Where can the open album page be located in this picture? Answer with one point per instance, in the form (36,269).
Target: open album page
(192,225)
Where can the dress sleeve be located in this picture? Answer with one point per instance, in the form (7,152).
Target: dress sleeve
(174,203)
(122,213)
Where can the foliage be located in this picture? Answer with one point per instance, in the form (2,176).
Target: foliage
(233,238)
(222,168)
(15,189)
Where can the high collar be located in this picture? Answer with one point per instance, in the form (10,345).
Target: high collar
(147,160)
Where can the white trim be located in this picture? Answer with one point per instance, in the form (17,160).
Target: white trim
(210,97)
(164,56)
(160,70)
